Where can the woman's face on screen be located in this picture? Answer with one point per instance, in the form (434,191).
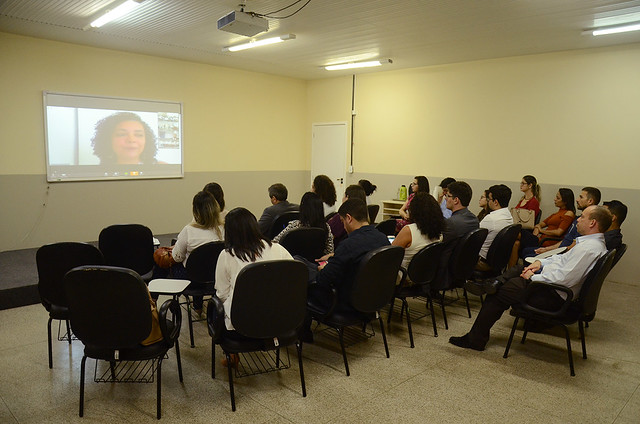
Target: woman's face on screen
(128,141)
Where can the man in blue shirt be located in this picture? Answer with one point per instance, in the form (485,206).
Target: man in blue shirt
(569,270)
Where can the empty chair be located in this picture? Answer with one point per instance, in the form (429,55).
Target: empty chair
(422,271)
(372,289)
(580,310)
(387,227)
(268,309)
(109,312)
(201,271)
(53,262)
(281,222)
(308,242)
(128,246)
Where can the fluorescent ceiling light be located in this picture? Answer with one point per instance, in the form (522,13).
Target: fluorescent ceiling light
(257,43)
(115,13)
(616,29)
(354,65)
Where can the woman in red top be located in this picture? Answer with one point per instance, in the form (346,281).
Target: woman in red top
(531,194)
(554,225)
(557,224)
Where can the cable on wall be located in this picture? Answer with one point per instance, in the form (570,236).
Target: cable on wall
(353,118)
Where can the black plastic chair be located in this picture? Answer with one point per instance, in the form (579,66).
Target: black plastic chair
(387,227)
(422,270)
(110,313)
(307,242)
(281,221)
(201,271)
(582,310)
(330,215)
(128,246)
(462,264)
(53,262)
(499,252)
(373,212)
(372,290)
(620,251)
(268,309)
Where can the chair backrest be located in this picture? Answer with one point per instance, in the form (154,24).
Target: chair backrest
(423,267)
(538,217)
(307,242)
(373,212)
(387,227)
(128,246)
(54,261)
(500,249)
(330,215)
(465,256)
(620,251)
(201,265)
(108,306)
(376,279)
(590,291)
(270,298)
(282,221)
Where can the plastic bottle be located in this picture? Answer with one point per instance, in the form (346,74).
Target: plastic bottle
(402,192)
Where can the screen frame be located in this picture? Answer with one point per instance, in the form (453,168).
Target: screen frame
(52,98)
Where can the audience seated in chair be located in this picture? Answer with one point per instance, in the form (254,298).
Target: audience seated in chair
(206,227)
(323,187)
(530,195)
(339,272)
(588,196)
(426,226)
(500,217)
(440,194)
(335,223)
(419,183)
(278,196)
(568,270)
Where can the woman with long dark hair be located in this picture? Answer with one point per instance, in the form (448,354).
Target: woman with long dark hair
(244,244)
(530,195)
(216,190)
(555,225)
(425,227)
(323,187)
(419,184)
(311,215)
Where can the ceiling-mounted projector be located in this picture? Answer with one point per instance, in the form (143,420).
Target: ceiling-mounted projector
(243,23)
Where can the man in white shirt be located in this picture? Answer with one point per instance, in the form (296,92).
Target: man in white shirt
(499,217)
(569,270)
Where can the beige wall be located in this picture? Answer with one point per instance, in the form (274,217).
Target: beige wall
(569,118)
(234,122)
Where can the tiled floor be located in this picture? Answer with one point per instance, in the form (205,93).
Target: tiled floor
(435,382)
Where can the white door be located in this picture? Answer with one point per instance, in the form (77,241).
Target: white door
(329,153)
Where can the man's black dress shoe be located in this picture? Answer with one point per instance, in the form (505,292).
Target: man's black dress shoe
(464,342)
(476,288)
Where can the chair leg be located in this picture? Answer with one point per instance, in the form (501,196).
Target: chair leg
(344,353)
(68,331)
(566,333)
(433,315)
(446,324)
(231,392)
(393,301)
(159,390)
(525,331)
(213,359)
(179,360)
(406,305)
(190,319)
(466,299)
(82,364)
(304,387)
(513,332)
(584,345)
(50,345)
(384,336)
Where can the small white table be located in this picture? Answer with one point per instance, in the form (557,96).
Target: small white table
(168,286)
